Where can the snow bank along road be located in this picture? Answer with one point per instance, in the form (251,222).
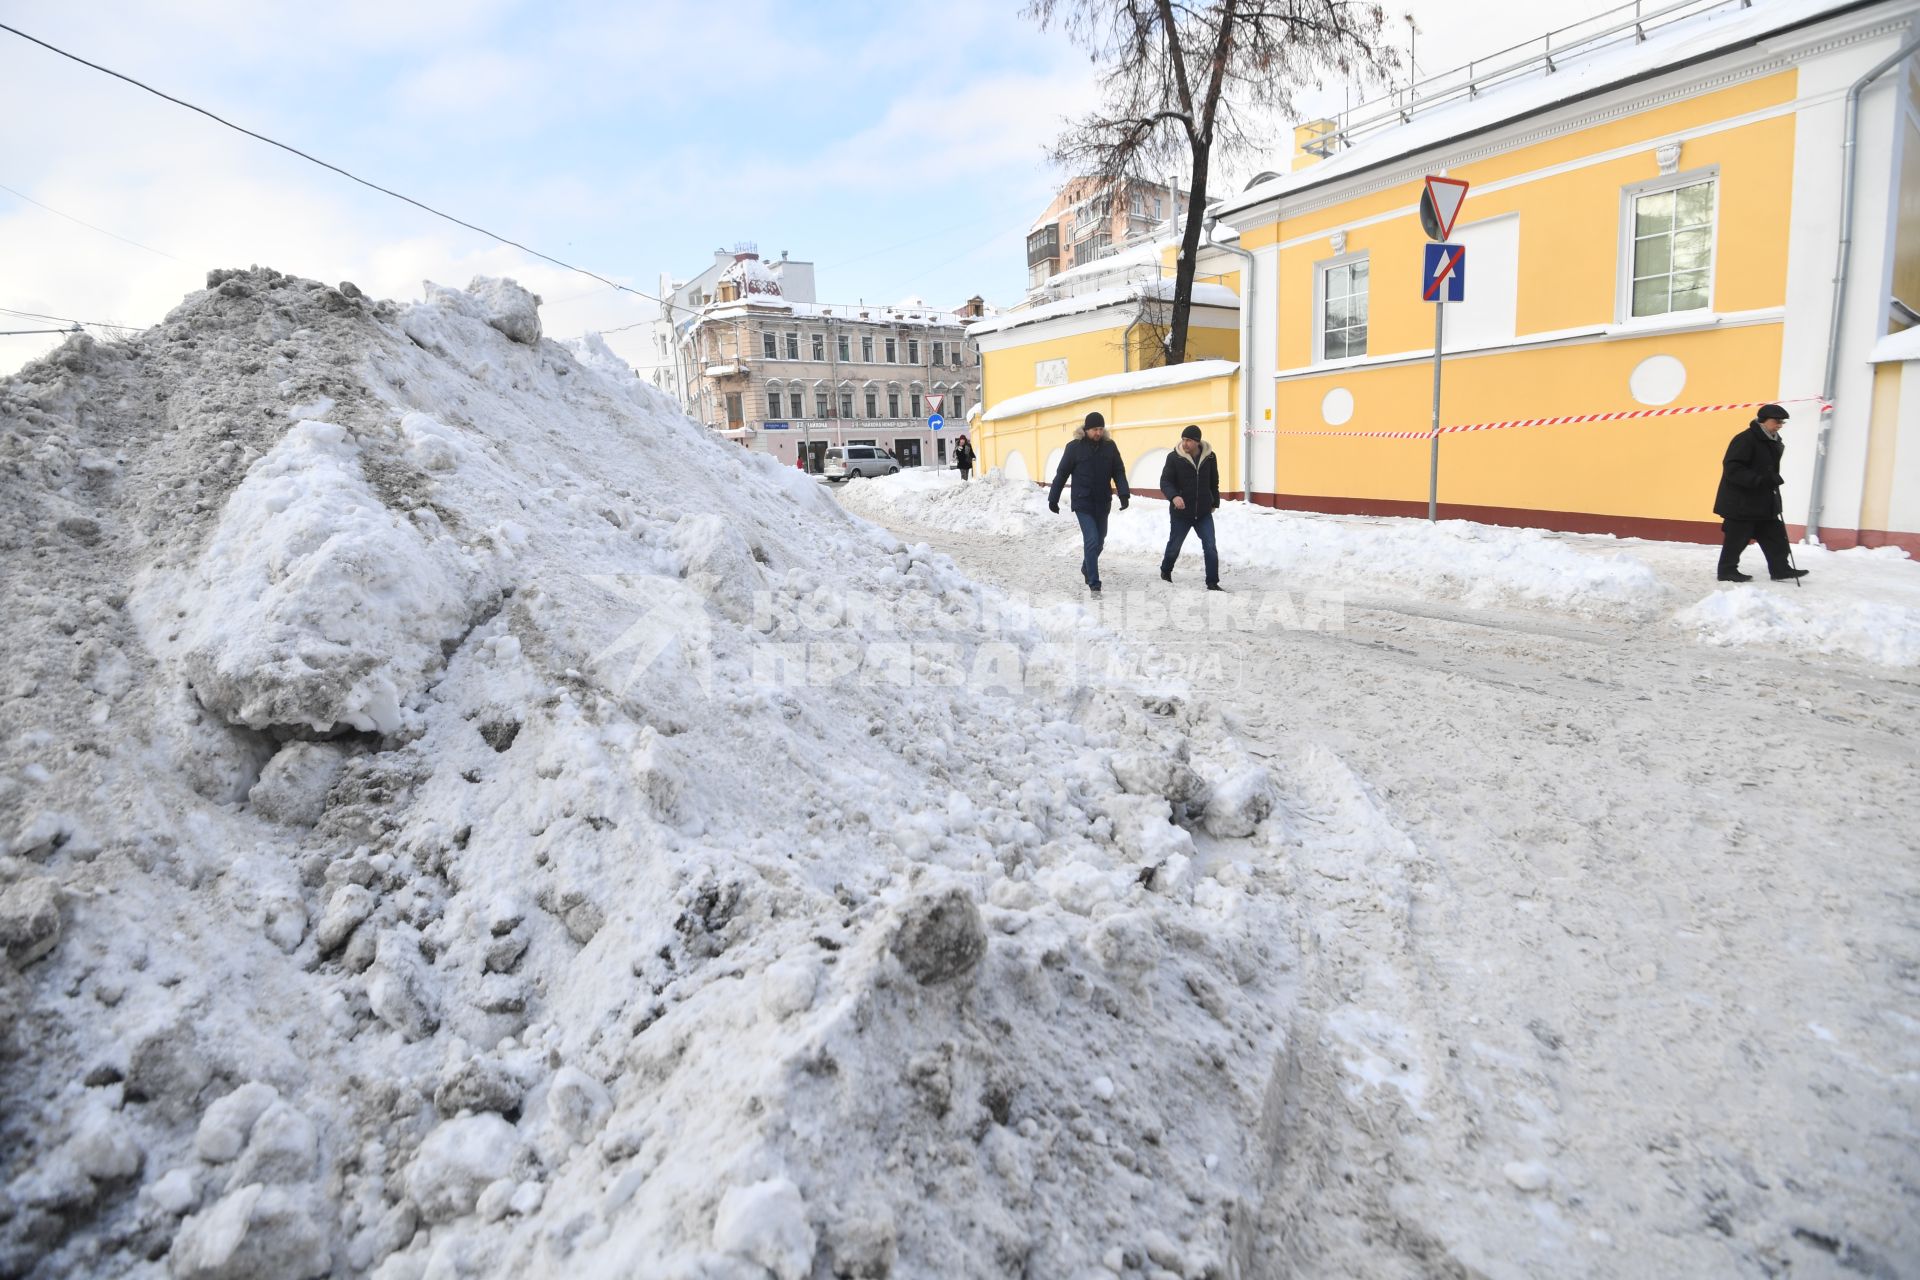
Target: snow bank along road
(1610,957)
(410,867)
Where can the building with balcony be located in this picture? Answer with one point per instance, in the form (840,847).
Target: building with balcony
(791,376)
(1090,219)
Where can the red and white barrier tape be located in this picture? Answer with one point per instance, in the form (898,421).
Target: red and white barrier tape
(1561,420)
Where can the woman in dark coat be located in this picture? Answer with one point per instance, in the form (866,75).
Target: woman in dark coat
(963,457)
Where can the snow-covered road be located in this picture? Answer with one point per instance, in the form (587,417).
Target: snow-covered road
(1609,936)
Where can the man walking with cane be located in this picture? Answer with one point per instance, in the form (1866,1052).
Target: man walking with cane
(1093,463)
(1748,501)
(1191,482)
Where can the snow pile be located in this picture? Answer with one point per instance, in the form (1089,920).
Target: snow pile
(456,820)
(1482,565)
(1809,620)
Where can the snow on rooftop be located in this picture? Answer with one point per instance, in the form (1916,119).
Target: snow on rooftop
(1723,27)
(837,311)
(1204,295)
(1904,345)
(1112,384)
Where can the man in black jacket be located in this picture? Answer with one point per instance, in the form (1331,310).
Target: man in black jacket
(1093,463)
(1190,479)
(1748,502)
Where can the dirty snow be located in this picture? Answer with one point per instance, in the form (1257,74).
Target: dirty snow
(1862,603)
(412,866)
(1606,946)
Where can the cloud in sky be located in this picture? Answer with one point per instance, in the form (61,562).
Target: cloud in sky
(899,147)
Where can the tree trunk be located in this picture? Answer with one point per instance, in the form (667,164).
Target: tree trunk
(1189,258)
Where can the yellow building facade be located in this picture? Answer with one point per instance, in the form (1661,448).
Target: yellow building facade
(1099,346)
(1651,230)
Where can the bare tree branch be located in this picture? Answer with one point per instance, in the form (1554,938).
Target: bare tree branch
(1247,58)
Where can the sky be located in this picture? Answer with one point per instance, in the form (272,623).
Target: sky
(901,148)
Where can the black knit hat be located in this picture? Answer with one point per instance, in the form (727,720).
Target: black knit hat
(1095,420)
(1191,433)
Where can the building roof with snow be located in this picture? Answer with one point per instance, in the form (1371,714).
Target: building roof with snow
(1111,384)
(1204,295)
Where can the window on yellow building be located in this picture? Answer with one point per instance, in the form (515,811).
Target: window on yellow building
(1672,249)
(1343,310)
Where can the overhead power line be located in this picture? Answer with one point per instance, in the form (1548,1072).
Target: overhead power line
(15,333)
(91,324)
(312,159)
(88,225)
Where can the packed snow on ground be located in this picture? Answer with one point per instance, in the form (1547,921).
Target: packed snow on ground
(1861,603)
(1455,559)
(1606,935)
(458,818)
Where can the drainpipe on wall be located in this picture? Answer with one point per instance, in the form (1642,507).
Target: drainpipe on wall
(1851,152)
(1246,340)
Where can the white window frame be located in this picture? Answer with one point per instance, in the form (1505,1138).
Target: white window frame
(1320,270)
(913,351)
(818,346)
(1623,287)
(793,344)
(866,348)
(844,345)
(770,344)
(892,349)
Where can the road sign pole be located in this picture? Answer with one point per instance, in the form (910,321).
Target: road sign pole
(1433,444)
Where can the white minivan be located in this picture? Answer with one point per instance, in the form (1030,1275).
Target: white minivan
(845,462)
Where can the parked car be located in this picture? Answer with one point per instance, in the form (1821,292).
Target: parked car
(845,462)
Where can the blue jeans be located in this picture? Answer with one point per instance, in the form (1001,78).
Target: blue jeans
(1177,535)
(1093,536)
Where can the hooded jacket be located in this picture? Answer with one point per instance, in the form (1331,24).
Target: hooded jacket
(1750,477)
(1092,468)
(1197,479)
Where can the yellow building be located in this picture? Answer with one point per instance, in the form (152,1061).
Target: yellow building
(1095,340)
(1652,227)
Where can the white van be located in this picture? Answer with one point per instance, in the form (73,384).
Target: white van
(845,462)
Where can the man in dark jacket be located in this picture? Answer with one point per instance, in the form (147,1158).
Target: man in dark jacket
(1748,502)
(1093,463)
(1190,479)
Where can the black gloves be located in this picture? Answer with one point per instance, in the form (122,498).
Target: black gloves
(1053,505)
(1123,504)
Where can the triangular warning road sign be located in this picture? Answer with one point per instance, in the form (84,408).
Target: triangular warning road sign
(1440,205)
(934,403)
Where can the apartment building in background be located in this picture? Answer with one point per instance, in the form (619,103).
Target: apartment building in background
(757,359)
(1090,219)
(683,299)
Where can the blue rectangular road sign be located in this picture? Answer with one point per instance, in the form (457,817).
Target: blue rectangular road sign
(1446,265)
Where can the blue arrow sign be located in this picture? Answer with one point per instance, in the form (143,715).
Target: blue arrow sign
(935,421)
(1446,264)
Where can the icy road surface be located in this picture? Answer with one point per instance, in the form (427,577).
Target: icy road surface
(1608,933)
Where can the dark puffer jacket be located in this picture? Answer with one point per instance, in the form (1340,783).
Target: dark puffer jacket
(1092,468)
(1750,477)
(1195,479)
